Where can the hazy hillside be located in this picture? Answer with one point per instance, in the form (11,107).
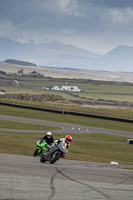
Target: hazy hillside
(19,62)
(70,73)
(57,54)
(13,50)
(58,48)
(48,53)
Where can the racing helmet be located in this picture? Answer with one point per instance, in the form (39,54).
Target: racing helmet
(68,138)
(49,134)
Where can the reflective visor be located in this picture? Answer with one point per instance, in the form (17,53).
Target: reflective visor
(69,140)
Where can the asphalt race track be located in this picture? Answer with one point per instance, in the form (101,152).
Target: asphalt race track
(66,128)
(26,178)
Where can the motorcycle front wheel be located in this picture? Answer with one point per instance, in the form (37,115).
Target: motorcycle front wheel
(42,159)
(56,155)
(36,152)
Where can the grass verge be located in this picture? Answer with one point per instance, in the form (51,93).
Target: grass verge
(9,124)
(85,147)
(113,112)
(89,147)
(87,121)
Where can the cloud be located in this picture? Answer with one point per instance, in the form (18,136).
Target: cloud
(121,16)
(71,7)
(111,3)
(90,24)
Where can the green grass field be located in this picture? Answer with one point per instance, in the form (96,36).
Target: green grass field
(7,199)
(113,112)
(87,121)
(89,147)
(98,90)
(9,124)
(85,147)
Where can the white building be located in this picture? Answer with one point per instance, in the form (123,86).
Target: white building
(69,88)
(2,92)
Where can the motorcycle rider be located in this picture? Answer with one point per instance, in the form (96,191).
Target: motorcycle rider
(66,141)
(49,139)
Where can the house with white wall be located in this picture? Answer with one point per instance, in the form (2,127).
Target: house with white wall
(2,92)
(66,87)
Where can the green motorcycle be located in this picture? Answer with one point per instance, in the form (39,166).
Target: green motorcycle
(40,148)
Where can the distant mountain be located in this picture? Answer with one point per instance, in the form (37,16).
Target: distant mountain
(57,54)
(120,53)
(119,59)
(51,53)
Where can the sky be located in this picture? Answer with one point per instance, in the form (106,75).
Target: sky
(94,25)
